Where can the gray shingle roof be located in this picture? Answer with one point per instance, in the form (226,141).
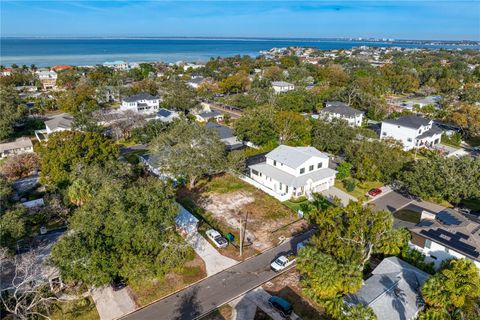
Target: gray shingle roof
(393,290)
(209,114)
(140,96)
(414,122)
(433,130)
(289,179)
(223,131)
(294,156)
(23,142)
(340,108)
(63,121)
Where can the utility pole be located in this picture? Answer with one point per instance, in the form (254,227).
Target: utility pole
(241,237)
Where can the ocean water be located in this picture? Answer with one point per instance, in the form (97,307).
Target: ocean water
(48,52)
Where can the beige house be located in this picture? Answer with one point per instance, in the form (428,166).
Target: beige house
(19,146)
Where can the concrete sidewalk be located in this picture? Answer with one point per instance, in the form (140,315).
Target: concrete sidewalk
(112,304)
(214,261)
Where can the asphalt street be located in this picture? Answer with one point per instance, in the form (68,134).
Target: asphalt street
(214,291)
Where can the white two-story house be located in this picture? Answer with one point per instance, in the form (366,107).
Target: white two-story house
(282,86)
(293,172)
(340,110)
(412,132)
(142,103)
(446,235)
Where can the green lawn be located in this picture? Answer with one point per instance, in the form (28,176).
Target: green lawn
(296,204)
(361,189)
(81,309)
(407,215)
(227,184)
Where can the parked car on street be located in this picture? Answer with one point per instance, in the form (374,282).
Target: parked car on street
(283,261)
(217,238)
(374,192)
(283,306)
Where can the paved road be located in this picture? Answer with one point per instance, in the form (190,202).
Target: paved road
(218,289)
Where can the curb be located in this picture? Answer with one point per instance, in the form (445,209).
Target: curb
(197,282)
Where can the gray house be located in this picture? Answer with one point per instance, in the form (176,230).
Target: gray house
(393,290)
(226,136)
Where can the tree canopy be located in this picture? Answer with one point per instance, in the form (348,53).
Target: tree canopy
(453,291)
(126,230)
(64,150)
(334,260)
(189,150)
(439,177)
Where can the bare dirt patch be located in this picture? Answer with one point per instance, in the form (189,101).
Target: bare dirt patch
(287,286)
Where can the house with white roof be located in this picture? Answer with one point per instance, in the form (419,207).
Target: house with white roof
(196,81)
(393,290)
(340,110)
(118,65)
(282,86)
(48,78)
(290,172)
(412,132)
(19,146)
(141,103)
(446,235)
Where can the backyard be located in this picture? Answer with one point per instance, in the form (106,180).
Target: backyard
(223,201)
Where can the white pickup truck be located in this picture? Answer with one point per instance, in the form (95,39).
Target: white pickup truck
(283,261)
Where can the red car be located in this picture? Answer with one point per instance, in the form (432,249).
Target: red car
(374,192)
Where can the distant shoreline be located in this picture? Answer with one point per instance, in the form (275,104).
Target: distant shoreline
(93,51)
(299,39)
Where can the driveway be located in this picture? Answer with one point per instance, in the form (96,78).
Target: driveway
(212,292)
(391,201)
(260,297)
(112,304)
(333,192)
(214,261)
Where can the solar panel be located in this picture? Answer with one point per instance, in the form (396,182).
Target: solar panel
(447,218)
(164,113)
(452,240)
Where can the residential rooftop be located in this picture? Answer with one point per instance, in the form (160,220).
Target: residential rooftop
(341,109)
(294,156)
(140,96)
(413,122)
(452,230)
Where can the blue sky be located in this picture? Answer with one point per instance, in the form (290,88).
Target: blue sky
(403,19)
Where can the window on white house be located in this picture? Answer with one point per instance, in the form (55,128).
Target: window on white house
(311,168)
(409,139)
(302,170)
(255,172)
(320,164)
(280,186)
(384,133)
(275,162)
(428,243)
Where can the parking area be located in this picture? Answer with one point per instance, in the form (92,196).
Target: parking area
(391,201)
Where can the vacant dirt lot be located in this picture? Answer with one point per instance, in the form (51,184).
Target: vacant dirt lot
(227,200)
